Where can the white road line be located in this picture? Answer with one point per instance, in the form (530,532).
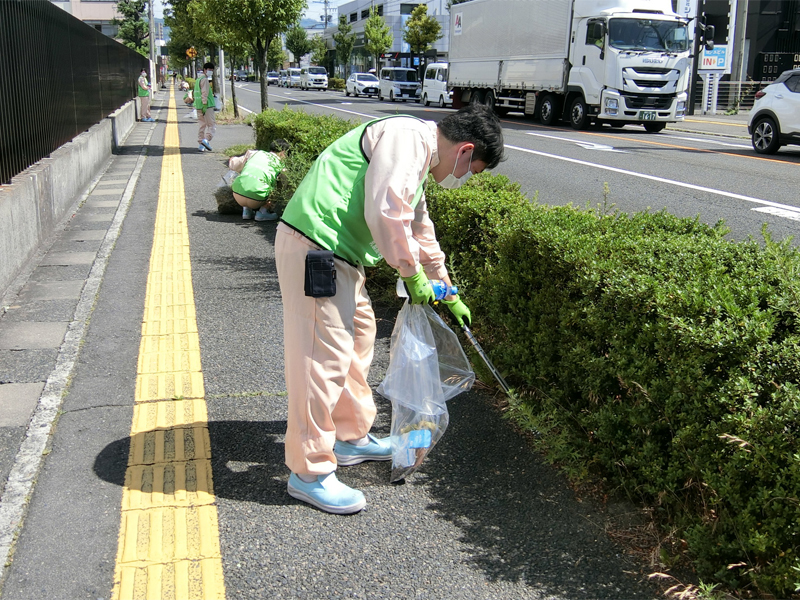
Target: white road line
(779,212)
(582,143)
(699,188)
(711,141)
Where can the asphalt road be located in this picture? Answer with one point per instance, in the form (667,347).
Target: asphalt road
(702,167)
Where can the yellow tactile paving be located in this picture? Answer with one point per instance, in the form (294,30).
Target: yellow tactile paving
(169,536)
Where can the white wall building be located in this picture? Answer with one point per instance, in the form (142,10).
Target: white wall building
(395,13)
(98,14)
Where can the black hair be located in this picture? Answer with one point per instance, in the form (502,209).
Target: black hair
(279,145)
(479,125)
(208,65)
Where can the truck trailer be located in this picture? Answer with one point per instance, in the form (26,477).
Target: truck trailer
(614,61)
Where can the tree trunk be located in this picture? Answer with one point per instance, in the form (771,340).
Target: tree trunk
(233,89)
(263,67)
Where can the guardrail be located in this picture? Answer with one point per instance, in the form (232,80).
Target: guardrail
(713,96)
(60,76)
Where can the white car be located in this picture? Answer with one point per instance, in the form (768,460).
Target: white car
(292,78)
(273,78)
(775,118)
(399,83)
(315,78)
(359,84)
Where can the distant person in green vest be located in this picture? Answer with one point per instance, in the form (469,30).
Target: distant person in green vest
(258,175)
(204,103)
(363,200)
(144,96)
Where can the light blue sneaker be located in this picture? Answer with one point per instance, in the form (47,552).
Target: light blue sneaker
(327,493)
(247,213)
(206,144)
(350,454)
(201,148)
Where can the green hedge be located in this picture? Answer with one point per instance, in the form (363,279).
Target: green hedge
(650,351)
(308,135)
(645,349)
(336,83)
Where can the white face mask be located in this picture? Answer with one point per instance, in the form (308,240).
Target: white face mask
(209,74)
(451,182)
(144,74)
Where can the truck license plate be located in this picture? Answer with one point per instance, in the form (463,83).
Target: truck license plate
(647,115)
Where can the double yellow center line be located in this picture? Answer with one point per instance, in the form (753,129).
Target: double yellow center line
(169,537)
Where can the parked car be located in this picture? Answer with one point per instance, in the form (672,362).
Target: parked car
(293,78)
(361,83)
(434,85)
(775,118)
(399,83)
(273,77)
(315,78)
(283,78)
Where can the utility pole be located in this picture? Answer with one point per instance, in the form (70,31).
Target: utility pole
(151,37)
(325,2)
(221,62)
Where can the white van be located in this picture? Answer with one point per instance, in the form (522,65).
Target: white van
(314,78)
(293,79)
(434,85)
(399,83)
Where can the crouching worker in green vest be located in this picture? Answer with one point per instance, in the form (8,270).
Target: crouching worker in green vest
(361,202)
(258,175)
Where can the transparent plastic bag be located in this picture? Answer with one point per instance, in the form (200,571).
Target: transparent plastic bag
(427,367)
(228,178)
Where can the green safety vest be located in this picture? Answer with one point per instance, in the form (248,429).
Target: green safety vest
(328,205)
(258,176)
(198,96)
(142,91)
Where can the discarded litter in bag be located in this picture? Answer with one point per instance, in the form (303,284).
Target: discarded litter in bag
(427,367)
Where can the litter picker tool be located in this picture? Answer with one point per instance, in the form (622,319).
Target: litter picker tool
(486,360)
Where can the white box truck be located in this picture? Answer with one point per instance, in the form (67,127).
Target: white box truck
(614,61)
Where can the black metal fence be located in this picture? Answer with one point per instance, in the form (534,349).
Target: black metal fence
(58,77)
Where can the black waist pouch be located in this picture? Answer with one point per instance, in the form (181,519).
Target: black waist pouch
(320,274)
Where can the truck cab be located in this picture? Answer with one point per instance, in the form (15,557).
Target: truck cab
(628,66)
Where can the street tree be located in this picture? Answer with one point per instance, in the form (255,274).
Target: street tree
(183,35)
(133,29)
(421,30)
(297,42)
(276,56)
(319,50)
(256,23)
(377,36)
(345,39)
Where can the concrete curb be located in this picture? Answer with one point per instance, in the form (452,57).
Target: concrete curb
(37,199)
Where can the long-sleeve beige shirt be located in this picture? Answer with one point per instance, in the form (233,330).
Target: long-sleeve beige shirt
(400,152)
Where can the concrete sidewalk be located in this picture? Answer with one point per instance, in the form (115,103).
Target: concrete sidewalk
(484,518)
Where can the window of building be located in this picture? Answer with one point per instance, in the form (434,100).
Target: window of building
(365,13)
(407,9)
(380,10)
(353,17)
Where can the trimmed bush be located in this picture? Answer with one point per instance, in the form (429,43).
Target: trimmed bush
(336,83)
(652,352)
(308,135)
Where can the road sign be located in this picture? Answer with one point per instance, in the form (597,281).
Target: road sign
(191,53)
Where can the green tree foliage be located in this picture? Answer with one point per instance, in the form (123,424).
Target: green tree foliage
(297,42)
(344,40)
(319,50)
(183,34)
(421,30)
(275,55)
(133,28)
(256,23)
(377,35)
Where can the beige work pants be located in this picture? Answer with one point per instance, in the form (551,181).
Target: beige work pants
(328,347)
(145,103)
(208,125)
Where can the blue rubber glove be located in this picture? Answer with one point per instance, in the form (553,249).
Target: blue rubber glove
(419,288)
(460,311)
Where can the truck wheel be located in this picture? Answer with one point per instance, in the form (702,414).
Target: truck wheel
(766,138)
(654,127)
(548,110)
(489,100)
(441,101)
(476,97)
(578,114)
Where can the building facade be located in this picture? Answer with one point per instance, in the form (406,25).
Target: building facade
(100,14)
